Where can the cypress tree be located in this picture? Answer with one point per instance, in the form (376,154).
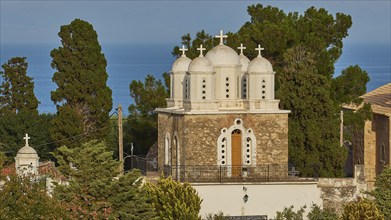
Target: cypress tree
(82,98)
(17,89)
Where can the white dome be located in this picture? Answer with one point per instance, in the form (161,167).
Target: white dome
(27,151)
(201,64)
(181,64)
(244,61)
(223,55)
(259,65)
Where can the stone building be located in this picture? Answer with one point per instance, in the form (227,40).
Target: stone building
(222,121)
(376,152)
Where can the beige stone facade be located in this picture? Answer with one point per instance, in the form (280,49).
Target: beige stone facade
(193,138)
(376,153)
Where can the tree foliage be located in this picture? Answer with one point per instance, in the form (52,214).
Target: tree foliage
(129,200)
(174,200)
(313,126)
(13,127)
(25,198)
(141,127)
(382,192)
(289,214)
(82,98)
(317,213)
(17,89)
(362,209)
(354,122)
(351,84)
(94,192)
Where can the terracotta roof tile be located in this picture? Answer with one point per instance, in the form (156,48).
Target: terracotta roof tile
(380,99)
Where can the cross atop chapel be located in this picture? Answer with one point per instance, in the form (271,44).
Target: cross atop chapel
(27,139)
(259,49)
(201,49)
(241,48)
(183,49)
(221,36)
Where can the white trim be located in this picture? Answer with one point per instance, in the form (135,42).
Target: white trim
(224,148)
(182,111)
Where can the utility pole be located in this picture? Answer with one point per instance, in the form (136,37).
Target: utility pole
(120,141)
(341,129)
(131,157)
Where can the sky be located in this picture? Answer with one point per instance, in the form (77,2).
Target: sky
(125,21)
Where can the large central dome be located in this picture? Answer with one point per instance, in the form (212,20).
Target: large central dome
(223,55)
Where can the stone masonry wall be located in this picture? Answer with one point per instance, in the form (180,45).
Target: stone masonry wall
(197,136)
(336,192)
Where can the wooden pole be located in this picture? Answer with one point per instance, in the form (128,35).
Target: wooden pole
(341,129)
(120,140)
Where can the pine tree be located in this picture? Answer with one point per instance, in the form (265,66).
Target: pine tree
(83,99)
(90,169)
(129,199)
(94,192)
(141,127)
(17,89)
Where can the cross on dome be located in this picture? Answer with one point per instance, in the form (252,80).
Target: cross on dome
(27,139)
(183,49)
(259,49)
(241,48)
(221,36)
(201,49)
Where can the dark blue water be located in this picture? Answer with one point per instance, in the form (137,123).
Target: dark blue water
(127,62)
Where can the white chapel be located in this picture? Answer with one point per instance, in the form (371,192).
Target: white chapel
(222,116)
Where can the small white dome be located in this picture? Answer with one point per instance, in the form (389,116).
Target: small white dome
(244,61)
(27,151)
(201,64)
(223,55)
(259,65)
(181,64)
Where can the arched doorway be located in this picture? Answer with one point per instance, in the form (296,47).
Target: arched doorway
(236,141)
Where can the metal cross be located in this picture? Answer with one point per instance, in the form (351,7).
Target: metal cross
(27,139)
(241,48)
(221,36)
(183,49)
(293,172)
(259,49)
(201,49)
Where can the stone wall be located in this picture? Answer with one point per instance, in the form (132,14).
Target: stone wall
(335,192)
(194,137)
(377,151)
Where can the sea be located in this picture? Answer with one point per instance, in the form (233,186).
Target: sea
(127,62)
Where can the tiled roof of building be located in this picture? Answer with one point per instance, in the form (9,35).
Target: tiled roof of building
(380,99)
(45,169)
